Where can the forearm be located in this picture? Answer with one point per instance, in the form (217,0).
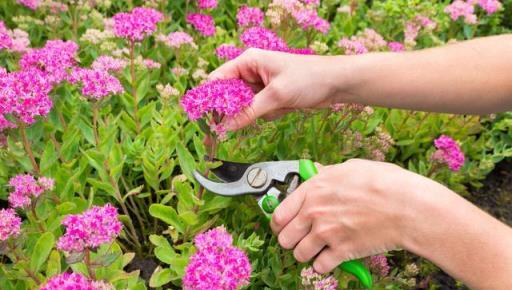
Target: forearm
(463,240)
(467,77)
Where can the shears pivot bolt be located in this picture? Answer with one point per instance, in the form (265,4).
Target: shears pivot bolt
(257,177)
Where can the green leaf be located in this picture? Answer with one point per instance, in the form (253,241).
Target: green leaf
(165,254)
(216,204)
(159,241)
(107,260)
(42,249)
(53,267)
(65,207)
(187,161)
(168,215)
(160,277)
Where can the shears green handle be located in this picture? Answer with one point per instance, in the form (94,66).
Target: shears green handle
(307,169)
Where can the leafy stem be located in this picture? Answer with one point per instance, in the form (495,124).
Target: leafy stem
(18,258)
(134,88)
(28,148)
(88,264)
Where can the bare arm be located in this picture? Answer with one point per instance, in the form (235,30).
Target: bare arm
(468,77)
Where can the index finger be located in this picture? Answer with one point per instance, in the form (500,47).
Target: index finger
(289,208)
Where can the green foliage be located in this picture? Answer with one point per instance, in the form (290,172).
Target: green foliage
(140,155)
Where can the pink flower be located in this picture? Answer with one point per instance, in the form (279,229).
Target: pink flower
(263,38)
(461,8)
(378,264)
(54,59)
(490,6)
(426,22)
(319,282)
(308,18)
(5,38)
(137,24)
(177,39)
(202,23)
(26,187)
(223,97)
(32,4)
(10,224)
(20,40)
(396,46)
(207,4)
(228,51)
(108,63)
(448,152)
(217,265)
(371,39)
(352,47)
(249,16)
(151,64)
(96,83)
(92,228)
(69,281)
(25,95)
(411,33)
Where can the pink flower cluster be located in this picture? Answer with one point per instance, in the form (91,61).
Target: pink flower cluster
(207,4)
(378,264)
(137,24)
(396,46)
(448,152)
(414,26)
(32,4)
(309,19)
(203,23)
(263,38)
(490,6)
(69,281)
(367,40)
(25,95)
(96,83)
(461,8)
(20,40)
(228,51)
(316,281)
(177,39)
(108,63)
(27,187)
(249,16)
(217,264)
(54,59)
(224,97)
(89,230)
(5,38)
(10,224)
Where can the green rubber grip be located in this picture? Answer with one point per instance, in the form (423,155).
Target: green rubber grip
(307,169)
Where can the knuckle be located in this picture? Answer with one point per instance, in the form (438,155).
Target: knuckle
(284,241)
(321,267)
(278,219)
(299,255)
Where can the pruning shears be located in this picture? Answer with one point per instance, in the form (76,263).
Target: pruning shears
(270,183)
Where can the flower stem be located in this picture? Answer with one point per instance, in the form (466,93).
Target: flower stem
(28,148)
(88,264)
(134,88)
(36,218)
(18,258)
(95,123)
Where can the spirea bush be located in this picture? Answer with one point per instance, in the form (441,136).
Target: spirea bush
(105,111)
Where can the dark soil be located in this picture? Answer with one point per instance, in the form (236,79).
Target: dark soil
(495,197)
(146,266)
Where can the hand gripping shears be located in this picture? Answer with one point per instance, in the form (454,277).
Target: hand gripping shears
(270,182)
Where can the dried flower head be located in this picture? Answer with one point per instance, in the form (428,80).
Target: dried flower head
(137,24)
(109,64)
(203,23)
(10,224)
(89,230)
(314,281)
(217,265)
(378,264)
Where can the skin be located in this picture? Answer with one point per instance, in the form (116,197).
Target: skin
(360,207)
